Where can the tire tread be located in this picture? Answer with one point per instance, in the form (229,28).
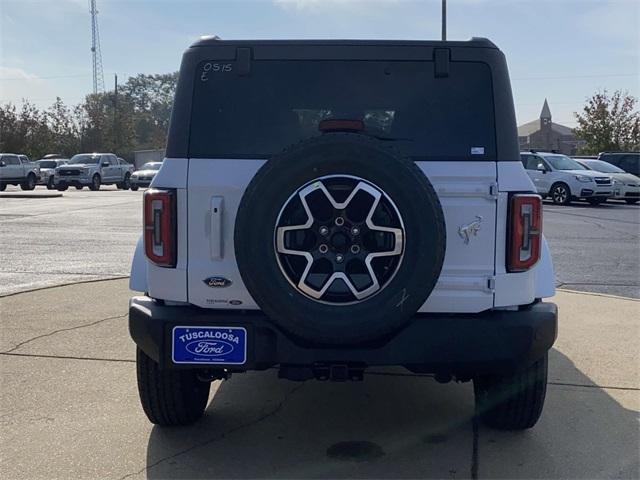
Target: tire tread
(513,402)
(169,397)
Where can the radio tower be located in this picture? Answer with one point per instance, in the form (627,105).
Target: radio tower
(96,55)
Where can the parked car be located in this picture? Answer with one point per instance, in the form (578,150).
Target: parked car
(47,171)
(18,170)
(625,185)
(143,177)
(279,233)
(564,179)
(627,161)
(93,170)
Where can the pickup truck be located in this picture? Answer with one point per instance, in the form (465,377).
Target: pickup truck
(18,170)
(93,170)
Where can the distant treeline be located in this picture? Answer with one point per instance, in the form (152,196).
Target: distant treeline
(137,118)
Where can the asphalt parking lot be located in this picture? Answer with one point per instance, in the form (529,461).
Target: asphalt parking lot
(69,407)
(79,236)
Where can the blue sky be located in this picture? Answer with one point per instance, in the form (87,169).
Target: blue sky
(560,49)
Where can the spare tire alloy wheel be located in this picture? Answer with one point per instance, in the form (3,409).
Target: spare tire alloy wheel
(340,239)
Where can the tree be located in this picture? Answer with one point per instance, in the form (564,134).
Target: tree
(105,128)
(152,100)
(137,118)
(24,131)
(64,130)
(609,123)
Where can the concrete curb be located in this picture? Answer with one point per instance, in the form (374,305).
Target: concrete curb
(596,294)
(30,195)
(48,287)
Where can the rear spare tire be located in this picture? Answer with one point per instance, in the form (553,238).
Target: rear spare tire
(340,239)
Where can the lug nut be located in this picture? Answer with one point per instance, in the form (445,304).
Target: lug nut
(323,248)
(339,221)
(355,249)
(339,258)
(355,231)
(324,230)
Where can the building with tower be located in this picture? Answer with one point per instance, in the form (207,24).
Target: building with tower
(545,135)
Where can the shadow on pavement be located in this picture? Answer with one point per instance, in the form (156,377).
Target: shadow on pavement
(391,426)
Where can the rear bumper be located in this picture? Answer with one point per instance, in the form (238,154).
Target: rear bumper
(456,344)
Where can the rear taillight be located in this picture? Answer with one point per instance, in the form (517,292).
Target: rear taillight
(525,232)
(160,227)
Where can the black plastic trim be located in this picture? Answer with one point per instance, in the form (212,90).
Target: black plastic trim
(492,341)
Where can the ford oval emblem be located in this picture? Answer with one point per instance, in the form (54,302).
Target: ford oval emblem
(217,282)
(209,348)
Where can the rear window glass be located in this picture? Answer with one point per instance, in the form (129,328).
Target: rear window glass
(282,102)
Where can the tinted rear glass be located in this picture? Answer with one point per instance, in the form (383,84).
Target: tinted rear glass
(282,102)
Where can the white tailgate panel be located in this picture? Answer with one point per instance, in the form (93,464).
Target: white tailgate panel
(221,183)
(464,191)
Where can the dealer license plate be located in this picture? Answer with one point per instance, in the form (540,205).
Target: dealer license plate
(209,345)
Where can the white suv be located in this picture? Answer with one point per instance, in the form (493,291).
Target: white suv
(304,222)
(563,179)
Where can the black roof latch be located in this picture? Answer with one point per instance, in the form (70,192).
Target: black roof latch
(243,61)
(441,58)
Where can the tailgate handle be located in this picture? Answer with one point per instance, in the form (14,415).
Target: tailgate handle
(217,204)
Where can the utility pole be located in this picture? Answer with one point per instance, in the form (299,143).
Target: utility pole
(444,20)
(116,133)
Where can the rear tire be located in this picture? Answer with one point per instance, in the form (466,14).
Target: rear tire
(79,187)
(514,401)
(3,187)
(50,184)
(170,397)
(134,188)
(560,193)
(29,183)
(631,201)
(126,184)
(62,187)
(95,183)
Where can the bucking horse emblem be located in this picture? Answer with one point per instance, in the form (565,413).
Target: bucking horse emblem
(470,229)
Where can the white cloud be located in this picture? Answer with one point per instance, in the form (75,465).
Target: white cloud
(324,6)
(14,73)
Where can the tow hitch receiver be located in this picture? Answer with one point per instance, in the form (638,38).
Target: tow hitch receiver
(340,372)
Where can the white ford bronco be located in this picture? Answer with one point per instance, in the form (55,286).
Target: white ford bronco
(330,206)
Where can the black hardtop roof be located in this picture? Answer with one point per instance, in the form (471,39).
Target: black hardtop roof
(477,42)
(441,54)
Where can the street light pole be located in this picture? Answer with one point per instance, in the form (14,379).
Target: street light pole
(444,20)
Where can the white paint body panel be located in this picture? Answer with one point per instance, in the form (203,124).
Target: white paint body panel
(464,190)
(138,277)
(473,277)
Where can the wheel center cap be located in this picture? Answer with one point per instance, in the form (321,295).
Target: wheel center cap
(339,241)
